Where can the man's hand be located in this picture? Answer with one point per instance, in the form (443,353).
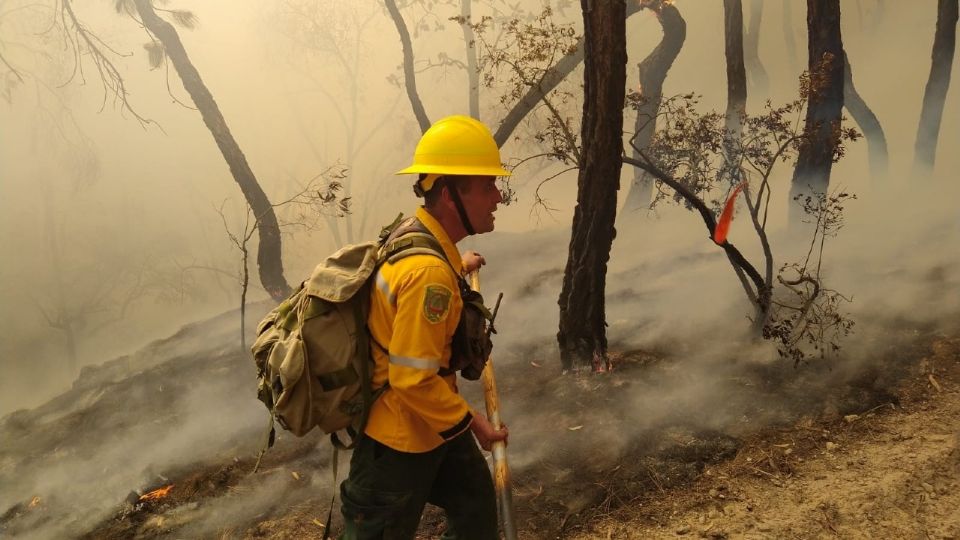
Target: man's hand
(472,261)
(483,430)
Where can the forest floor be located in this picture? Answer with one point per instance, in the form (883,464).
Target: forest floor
(890,472)
(876,455)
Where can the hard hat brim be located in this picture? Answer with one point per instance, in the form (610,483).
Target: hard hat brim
(458,170)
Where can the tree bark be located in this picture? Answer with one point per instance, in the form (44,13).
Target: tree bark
(868,122)
(736,73)
(822,123)
(935,93)
(759,80)
(582,334)
(653,71)
(269,254)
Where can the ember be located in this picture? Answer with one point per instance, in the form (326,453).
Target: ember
(156,494)
(34,502)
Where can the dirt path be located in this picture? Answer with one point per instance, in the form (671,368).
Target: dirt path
(890,473)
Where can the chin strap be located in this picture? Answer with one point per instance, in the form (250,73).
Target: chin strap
(429,180)
(455,195)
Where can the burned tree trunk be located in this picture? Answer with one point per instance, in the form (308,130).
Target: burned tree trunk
(269,258)
(653,71)
(935,94)
(825,102)
(759,80)
(736,73)
(582,335)
(868,122)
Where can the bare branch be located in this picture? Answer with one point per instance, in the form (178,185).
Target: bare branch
(110,78)
(410,77)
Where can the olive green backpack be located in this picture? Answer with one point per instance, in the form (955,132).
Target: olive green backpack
(312,352)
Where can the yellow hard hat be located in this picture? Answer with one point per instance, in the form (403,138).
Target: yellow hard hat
(456,145)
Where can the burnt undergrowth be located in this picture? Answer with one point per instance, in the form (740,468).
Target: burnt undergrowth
(582,446)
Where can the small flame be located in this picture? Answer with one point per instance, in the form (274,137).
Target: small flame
(34,502)
(723,224)
(156,494)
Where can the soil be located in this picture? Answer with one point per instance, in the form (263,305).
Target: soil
(890,472)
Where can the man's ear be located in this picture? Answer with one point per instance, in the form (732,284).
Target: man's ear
(445,194)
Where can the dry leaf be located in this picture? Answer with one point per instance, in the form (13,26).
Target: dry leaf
(534,364)
(318,523)
(295,474)
(574,428)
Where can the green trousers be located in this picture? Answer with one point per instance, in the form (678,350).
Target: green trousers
(386,491)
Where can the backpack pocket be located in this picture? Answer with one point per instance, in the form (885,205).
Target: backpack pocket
(291,385)
(329,338)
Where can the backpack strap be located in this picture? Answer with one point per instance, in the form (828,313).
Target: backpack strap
(411,237)
(401,239)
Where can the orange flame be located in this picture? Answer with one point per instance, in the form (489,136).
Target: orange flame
(156,494)
(723,224)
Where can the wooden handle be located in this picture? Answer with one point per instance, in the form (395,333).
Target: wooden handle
(501,471)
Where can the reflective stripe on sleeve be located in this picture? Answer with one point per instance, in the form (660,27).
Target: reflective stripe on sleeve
(385,289)
(417,363)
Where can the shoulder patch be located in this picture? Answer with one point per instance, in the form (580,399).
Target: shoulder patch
(436,302)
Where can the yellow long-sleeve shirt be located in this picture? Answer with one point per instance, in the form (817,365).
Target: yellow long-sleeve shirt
(414,310)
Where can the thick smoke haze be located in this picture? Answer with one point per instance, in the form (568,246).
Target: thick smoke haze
(114,226)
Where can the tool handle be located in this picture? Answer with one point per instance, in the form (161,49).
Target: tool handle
(501,471)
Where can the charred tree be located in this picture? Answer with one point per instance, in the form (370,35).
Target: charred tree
(736,73)
(653,71)
(269,260)
(868,122)
(825,102)
(759,80)
(582,335)
(935,94)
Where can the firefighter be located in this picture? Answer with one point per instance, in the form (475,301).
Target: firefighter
(419,442)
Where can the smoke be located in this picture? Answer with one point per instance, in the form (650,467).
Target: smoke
(670,291)
(176,406)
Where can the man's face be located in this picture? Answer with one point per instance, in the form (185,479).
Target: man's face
(480,201)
